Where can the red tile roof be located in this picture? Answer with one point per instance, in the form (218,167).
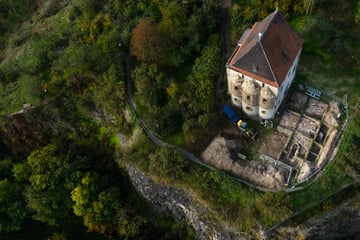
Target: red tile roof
(268,50)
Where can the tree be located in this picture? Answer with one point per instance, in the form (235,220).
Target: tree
(174,20)
(12,206)
(96,202)
(150,85)
(47,195)
(198,97)
(147,43)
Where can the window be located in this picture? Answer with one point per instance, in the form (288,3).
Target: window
(263,112)
(236,88)
(264,100)
(249,108)
(263,84)
(236,99)
(248,98)
(255,67)
(242,76)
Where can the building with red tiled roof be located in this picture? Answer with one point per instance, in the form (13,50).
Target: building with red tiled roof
(263,65)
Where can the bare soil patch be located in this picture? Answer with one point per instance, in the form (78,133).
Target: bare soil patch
(316,109)
(331,117)
(297,101)
(274,146)
(222,153)
(308,127)
(289,120)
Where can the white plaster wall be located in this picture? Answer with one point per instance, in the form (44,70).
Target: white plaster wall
(279,92)
(231,76)
(251,111)
(269,113)
(236,101)
(288,80)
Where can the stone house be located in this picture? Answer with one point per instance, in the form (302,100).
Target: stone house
(263,65)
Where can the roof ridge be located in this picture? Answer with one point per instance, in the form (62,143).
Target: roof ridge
(242,45)
(271,16)
(268,62)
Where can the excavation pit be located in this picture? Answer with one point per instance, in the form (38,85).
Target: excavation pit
(308,127)
(316,109)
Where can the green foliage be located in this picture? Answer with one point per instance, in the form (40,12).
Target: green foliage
(12,206)
(87,7)
(150,85)
(274,207)
(43,195)
(167,163)
(200,85)
(95,203)
(201,82)
(67,62)
(173,20)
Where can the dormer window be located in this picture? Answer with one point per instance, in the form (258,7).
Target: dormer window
(285,55)
(255,67)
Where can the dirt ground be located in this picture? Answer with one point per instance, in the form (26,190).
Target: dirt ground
(275,145)
(222,153)
(301,141)
(308,127)
(289,120)
(331,117)
(297,101)
(316,109)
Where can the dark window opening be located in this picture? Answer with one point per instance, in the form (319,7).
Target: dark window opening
(285,55)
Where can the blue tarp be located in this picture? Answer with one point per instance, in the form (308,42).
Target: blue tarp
(231,114)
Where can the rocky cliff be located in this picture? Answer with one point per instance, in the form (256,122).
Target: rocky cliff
(181,206)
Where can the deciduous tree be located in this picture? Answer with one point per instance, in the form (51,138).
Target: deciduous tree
(147,43)
(96,202)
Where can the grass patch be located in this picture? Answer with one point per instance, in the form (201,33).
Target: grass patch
(26,90)
(328,77)
(177,139)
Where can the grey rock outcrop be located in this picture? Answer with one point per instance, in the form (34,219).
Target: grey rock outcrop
(180,205)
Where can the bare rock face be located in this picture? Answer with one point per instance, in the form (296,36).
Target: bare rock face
(179,205)
(341,222)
